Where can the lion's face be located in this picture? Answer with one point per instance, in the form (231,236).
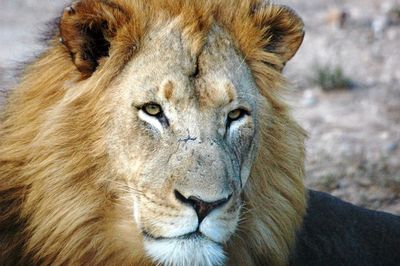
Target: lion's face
(184,132)
(155,130)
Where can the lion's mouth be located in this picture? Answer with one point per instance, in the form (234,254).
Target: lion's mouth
(195,235)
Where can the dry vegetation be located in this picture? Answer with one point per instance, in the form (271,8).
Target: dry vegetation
(354,143)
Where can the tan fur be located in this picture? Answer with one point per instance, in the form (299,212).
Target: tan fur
(63,201)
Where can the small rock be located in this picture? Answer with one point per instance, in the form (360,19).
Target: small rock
(379,25)
(391,147)
(365,182)
(309,98)
(337,17)
(384,135)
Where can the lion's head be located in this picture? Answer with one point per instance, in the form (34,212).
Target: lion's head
(153,132)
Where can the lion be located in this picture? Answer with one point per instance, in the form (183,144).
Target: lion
(154,133)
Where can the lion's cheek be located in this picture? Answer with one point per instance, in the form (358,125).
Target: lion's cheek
(243,143)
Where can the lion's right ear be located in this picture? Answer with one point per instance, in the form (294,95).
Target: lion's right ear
(87,28)
(283,30)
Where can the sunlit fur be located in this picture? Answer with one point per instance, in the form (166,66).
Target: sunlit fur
(61,201)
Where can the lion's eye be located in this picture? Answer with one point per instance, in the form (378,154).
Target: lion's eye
(236,114)
(152,109)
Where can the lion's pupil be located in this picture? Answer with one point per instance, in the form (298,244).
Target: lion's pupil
(235,114)
(152,109)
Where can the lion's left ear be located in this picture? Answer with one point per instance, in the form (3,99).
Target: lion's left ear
(283,30)
(87,28)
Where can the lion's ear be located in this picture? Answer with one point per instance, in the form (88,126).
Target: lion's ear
(87,28)
(283,30)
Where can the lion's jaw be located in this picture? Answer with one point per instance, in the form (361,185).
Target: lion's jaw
(196,154)
(181,252)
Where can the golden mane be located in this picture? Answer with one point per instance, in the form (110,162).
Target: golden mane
(52,135)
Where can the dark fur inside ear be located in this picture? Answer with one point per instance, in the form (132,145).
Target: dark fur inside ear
(94,47)
(283,30)
(87,29)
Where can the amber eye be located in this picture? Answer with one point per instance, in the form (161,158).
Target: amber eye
(152,109)
(236,114)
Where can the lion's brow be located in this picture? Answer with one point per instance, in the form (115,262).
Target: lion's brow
(230,92)
(168,89)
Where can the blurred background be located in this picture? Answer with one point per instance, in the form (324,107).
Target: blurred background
(344,87)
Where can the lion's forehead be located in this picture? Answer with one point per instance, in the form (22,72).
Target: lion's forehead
(168,68)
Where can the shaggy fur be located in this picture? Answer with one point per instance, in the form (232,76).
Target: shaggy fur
(60,200)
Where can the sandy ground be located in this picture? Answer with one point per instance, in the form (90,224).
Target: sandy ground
(354,135)
(353,148)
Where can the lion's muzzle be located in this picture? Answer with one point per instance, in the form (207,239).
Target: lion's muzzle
(202,208)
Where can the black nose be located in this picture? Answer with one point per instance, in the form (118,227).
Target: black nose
(201,207)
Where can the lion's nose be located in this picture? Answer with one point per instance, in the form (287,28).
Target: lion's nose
(201,207)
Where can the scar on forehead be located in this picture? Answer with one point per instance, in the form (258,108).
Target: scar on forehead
(168,89)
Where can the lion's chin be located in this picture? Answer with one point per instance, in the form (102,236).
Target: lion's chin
(196,251)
